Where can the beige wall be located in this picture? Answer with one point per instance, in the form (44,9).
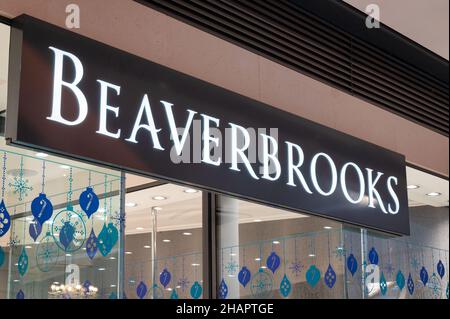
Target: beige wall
(140,30)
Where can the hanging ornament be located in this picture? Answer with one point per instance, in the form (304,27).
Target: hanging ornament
(22,264)
(5,218)
(261,284)
(174,294)
(91,245)
(244,276)
(383,284)
(164,277)
(141,290)
(352,264)
(285,286)
(435,286)
(20,184)
(196,290)
(41,207)
(35,229)
(2,256)
(296,266)
(85,286)
(446,291)
(312,276)
(223,290)
(20,295)
(47,253)
(273,262)
(183,282)
(424,275)
(66,235)
(112,295)
(440,269)
(113,235)
(89,201)
(373,256)
(330,277)
(410,284)
(103,242)
(400,279)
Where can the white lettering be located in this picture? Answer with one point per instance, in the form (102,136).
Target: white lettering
(235,150)
(104,108)
(314,174)
(362,186)
(270,157)
(295,167)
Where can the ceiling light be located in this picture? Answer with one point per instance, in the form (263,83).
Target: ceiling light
(412,186)
(263,267)
(232,254)
(311,255)
(101,269)
(16,280)
(276,242)
(128,252)
(257,259)
(112,257)
(28,247)
(433,194)
(195,265)
(68,255)
(157,208)
(187,234)
(41,155)
(147,247)
(169,289)
(327,227)
(140,228)
(64,166)
(159,197)
(112,286)
(166,240)
(130,204)
(190,191)
(257,220)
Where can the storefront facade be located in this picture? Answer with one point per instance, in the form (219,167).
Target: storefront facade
(334,199)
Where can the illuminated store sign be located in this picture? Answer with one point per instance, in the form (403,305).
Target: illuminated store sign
(77,97)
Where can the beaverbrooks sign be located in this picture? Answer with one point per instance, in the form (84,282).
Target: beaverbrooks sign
(73,96)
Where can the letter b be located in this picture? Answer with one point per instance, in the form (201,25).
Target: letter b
(58,83)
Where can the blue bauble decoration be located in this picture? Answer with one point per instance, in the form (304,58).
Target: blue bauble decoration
(244,276)
(89,201)
(273,262)
(410,284)
(383,284)
(2,256)
(285,286)
(141,290)
(223,290)
(41,208)
(67,235)
(312,276)
(196,290)
(91,245)
(22,264)
(424,276)
(35,229)
(113,235)
(174,294)
(165,277)
(400,279)
(20,295)
(373,256)
(330,277)
(352,264)
(5,219)
(103,241)
(440,269)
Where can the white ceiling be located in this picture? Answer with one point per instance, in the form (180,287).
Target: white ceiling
(424,21)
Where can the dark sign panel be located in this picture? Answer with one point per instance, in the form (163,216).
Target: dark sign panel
(76,97)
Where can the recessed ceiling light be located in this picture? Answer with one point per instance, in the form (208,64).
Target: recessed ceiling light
(169,289)
(147,246)
(16,280)
(41,155)
(412,186)
(28,247)
(433,194)
(166,240)
(232,254)
(112,286)
(157,208)
(101,269)
(187,234)
(195,265)
(130,204)
(112,258)
(327,227)
(159,197)
(231,275)
(263,267)
(276,242)
(128,252)
(190,191)
(311,255)
(140,228)
(257,220)
(68,255)
(64,166)
(257,259)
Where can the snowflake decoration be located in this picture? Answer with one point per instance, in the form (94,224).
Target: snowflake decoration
(435,287)
(261,285)
(232,267)
(415,263)
(296,268)
(183,283)
(119,219)
(20,186)
(339,252)
(14,241)
(389,269)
